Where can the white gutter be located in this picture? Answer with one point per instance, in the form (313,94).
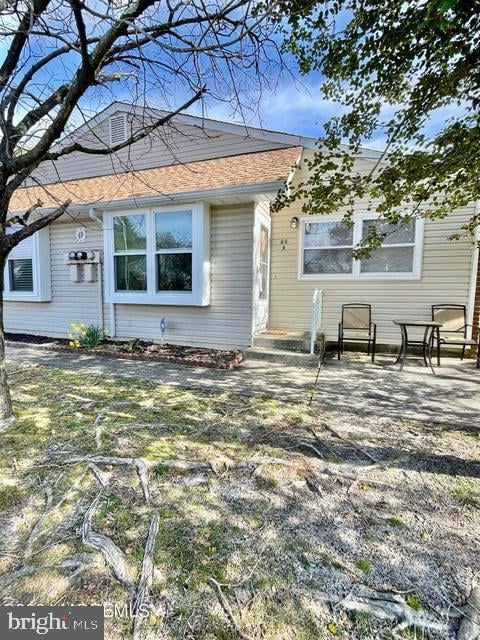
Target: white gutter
(473,276)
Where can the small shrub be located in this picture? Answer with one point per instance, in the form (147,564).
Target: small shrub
(86,336)
(413,602)
(395,521)
(365,566)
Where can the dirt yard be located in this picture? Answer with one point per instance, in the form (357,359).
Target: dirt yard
(231,517)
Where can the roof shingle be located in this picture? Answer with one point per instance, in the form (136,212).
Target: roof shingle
(232,171)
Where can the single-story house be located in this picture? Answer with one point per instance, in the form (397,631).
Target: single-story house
(178,226)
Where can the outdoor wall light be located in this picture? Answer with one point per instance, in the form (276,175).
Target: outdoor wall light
(294,222)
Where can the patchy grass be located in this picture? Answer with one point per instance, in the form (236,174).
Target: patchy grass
(11,496)
(413,602)
(275,537)
(467,494)
(364,566)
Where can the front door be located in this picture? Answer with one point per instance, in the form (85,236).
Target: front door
(261,271)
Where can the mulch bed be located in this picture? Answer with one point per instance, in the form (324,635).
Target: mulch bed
(140,350)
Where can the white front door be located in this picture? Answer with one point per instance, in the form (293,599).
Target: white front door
(261,271)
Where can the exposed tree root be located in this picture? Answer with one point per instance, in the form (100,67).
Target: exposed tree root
(112,554)
(49,508)
(222,600)
(102,478)
(142,466)
(354,445)
(138,463)
(143,591)
(470,626)
(99,428)
(384,606)
(75,565)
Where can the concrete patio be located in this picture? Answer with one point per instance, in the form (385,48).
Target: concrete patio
(353,384)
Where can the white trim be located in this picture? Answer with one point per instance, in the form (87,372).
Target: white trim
(260,217)
(40,256)
(473,277)
(200,293)
(356,273)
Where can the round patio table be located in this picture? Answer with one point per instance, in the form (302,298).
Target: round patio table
(432,330)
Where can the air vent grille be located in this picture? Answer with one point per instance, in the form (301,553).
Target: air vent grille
(118,129)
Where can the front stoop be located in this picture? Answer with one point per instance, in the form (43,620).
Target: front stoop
(291,348)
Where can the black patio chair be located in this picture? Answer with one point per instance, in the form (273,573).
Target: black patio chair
(453,332)
(357,326)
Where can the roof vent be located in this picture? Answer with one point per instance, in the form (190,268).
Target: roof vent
(118,128)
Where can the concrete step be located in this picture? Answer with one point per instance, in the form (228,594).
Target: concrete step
(282,356)
(288,341)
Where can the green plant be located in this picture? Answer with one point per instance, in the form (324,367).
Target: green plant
(365,566)
(134,346)
(160,470)
(413,602)
(86,336)
(466,494)
(395,521)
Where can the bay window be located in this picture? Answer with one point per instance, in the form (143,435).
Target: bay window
(27,271)
(327,243)
(158,256)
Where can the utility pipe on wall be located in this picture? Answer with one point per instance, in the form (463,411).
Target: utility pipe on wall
(93,216)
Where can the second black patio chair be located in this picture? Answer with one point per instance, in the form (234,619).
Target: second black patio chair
(453,332)
(357,326)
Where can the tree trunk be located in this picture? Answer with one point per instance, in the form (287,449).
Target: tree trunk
(6,409)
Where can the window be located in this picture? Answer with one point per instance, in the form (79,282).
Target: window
(27,272)
(398,249)
(21,274)
(327,244)
(327,248)
(158,256)
(130,248)
(173,237)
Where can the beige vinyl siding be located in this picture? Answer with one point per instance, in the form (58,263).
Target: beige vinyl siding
(167,146)
(71,301)
(445,278)
(226,322)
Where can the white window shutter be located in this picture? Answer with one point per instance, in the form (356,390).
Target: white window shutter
(118,128)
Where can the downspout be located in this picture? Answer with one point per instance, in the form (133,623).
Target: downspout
(99,222)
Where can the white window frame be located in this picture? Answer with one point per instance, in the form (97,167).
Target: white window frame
(356,273)
(200,293)
(42,290)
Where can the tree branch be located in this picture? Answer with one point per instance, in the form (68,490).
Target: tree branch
(143,133)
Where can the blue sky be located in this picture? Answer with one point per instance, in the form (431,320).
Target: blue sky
(295,105)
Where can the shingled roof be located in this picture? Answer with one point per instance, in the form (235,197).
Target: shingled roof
(232,171)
